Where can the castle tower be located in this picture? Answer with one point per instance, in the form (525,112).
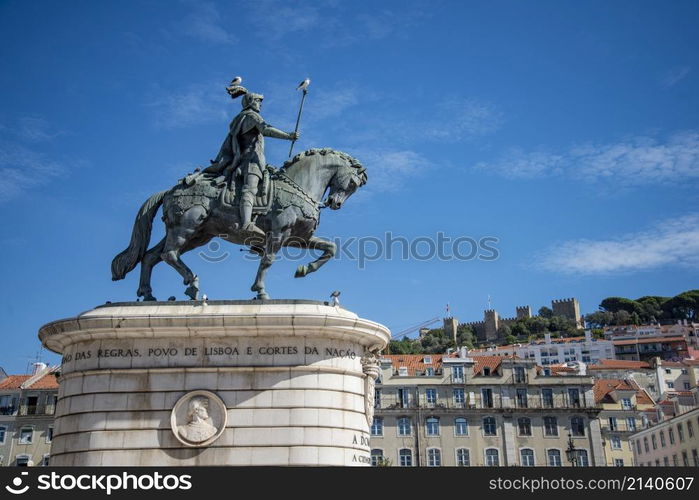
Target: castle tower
(569,308)
(524,312)
(492,323)
(450,326)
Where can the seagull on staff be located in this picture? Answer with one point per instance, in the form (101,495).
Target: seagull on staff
(304,84)
(236,81)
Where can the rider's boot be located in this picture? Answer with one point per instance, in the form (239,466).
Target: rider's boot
(246,223)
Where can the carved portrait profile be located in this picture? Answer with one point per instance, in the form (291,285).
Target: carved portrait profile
(198,418)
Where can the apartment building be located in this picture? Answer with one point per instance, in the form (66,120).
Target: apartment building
(623,403)
(671,442)
(458,410)
(27,405)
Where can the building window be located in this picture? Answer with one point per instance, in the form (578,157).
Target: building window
(526,457)
(45,460)
(26,435)
(680,433)
(457,373)
(574,398)
(32,405)
(547,398)
(431,396)
(520,375)
(583,461)
(522,398)
(463,457)
(402,371)
(577,426)
(662,439)
(645,444)
(429,372)
(675,462)
(686,386)
(671,435)
(670,385)
(427,360)
(690,429)
(631,424)
(432,426)
(377,457)
(616,443)
(3,432)
(434,457)
(405,457)
(695,457)
(654,441)
(487,398)
(49,434)
(404,397)
(618,462)
(625,404)
(377,427)
(404,426)
(554,458)
(524,425)
(489,426)
(638,447)
(377,398)
(668,371)
(23,460)
(550,426)
(486,372)
(459,396)
(612,424)
(492,457)
(685,459)
(460,426)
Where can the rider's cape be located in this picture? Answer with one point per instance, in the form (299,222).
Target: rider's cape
(230,155)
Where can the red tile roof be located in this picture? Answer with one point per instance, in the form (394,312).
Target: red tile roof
(13,381)
(415,362)
(604,386)
(48,381)
(618,364)
(492,362)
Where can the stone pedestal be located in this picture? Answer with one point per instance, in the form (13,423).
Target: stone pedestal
(224,383)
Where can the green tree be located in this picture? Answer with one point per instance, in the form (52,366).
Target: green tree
(616,304)
(545,312)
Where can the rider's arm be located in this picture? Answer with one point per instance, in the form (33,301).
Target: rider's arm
(279,134)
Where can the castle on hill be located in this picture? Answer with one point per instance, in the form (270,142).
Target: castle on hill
(489,330)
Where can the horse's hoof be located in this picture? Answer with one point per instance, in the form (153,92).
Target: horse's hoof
(149,298)
(192,293)
(301,271)
(262,296)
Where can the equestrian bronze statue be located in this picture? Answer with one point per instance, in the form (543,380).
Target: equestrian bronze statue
(243,200)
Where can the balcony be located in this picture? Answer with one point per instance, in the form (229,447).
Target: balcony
(8,410)
(477,403)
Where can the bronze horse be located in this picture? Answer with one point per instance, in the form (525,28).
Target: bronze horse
(196,213)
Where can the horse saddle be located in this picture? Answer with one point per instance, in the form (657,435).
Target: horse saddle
(263,198)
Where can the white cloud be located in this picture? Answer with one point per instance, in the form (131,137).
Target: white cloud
(673,242)
(672,77)
(331,103)
(388,169)
(641,160)
(22,169)
(204,23)
(194,105)
(463,118)
(277,19)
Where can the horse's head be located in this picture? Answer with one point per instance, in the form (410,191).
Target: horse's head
(350,176)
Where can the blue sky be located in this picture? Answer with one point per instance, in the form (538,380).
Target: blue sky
(567,130)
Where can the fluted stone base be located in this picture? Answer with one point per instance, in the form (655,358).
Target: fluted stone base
(227,383)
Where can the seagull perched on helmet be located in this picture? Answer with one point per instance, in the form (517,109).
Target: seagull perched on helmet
(304,84)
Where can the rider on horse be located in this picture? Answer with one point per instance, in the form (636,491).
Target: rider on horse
(242,153)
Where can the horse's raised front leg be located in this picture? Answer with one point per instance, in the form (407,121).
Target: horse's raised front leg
(176,239)
(272,246)
(315,243)
(150,259)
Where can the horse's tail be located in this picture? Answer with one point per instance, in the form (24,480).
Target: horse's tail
(140,237)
